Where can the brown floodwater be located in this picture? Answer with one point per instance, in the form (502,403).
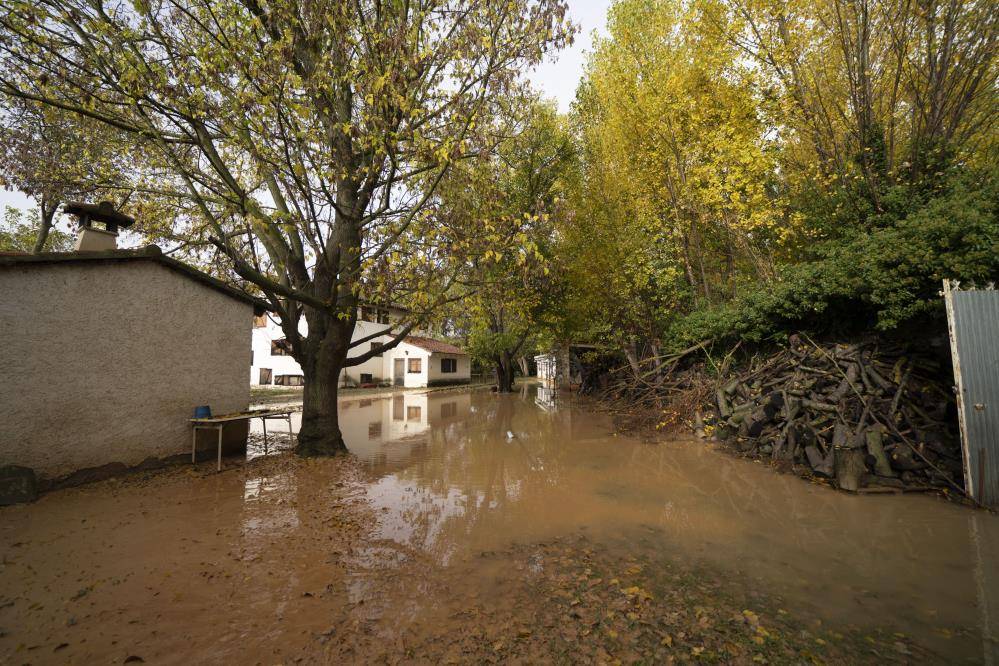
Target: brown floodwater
(252,565)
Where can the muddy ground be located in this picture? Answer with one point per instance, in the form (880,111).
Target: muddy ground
(482,529)
(164,568)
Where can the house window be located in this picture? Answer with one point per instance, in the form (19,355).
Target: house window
(376,348)
(280,347)
(265,375)
(415,365)
(449,365)
(449,409)
(413,413)
(366,378)
(375,430)
(290,380)
(373,314)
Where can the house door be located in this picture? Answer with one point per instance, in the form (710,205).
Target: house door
(399,371)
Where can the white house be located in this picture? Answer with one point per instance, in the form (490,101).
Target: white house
(418,361)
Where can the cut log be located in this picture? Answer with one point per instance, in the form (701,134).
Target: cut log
(818,406)
(876,449)
(850,468)
(822,465)
(756,422)
(841,435)
(724,408)
(846,386)
(902,458)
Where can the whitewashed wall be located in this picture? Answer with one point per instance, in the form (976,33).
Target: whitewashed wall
(464,369)
(381,368)
(377,367)
(407,351)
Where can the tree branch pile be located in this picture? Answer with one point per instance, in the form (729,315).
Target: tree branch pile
(869,416)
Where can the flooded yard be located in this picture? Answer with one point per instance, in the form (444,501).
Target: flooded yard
(476,527)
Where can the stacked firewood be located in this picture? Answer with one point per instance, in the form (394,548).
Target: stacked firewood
(869,416)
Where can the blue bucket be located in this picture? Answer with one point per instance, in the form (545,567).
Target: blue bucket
(203,412)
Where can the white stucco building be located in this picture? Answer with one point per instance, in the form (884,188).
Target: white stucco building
(418,361)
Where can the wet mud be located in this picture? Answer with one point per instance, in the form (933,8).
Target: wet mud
(469,527)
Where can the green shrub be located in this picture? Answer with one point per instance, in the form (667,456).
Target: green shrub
(879,278)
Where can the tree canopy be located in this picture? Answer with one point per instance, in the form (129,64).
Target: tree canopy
(751,167)
(306,138)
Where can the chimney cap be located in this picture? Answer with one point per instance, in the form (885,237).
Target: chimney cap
(102,212)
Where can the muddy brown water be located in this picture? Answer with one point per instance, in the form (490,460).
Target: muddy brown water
(253,564)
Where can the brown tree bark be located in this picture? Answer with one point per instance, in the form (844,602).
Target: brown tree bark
(504,373)
(320,432)
(47,211)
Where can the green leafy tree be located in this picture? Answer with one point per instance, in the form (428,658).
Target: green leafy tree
(55,157)
(310,137)
(19,233)
(516,195)
(751,166)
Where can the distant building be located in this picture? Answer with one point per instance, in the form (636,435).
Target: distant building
(563,367)
(418,361)
(106,354)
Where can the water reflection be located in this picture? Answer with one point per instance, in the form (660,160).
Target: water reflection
(498,469)
(457,473)
(546,397)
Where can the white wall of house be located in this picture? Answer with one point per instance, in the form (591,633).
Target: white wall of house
(279,365)
(104,362)
(462,365)
(405,351)
(382,369)
(547,365)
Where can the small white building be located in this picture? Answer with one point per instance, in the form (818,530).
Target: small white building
(418,361)
(547,365)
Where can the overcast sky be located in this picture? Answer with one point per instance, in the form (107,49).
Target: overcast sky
(556,78)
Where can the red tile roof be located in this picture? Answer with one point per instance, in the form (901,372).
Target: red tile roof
(433,346)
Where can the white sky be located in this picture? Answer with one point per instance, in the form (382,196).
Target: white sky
(557,78)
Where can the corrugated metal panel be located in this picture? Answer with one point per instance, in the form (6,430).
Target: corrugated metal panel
(974,322)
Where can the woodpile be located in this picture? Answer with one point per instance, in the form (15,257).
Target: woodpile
(867,416)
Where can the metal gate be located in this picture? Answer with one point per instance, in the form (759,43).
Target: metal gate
(973,320)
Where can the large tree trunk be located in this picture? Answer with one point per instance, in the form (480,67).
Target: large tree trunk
(320,433)
(504,374)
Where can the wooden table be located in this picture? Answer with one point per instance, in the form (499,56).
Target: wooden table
(218,423)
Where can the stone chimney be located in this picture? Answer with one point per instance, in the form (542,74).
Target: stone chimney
(97,225)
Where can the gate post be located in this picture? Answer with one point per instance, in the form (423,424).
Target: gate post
(969,480)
